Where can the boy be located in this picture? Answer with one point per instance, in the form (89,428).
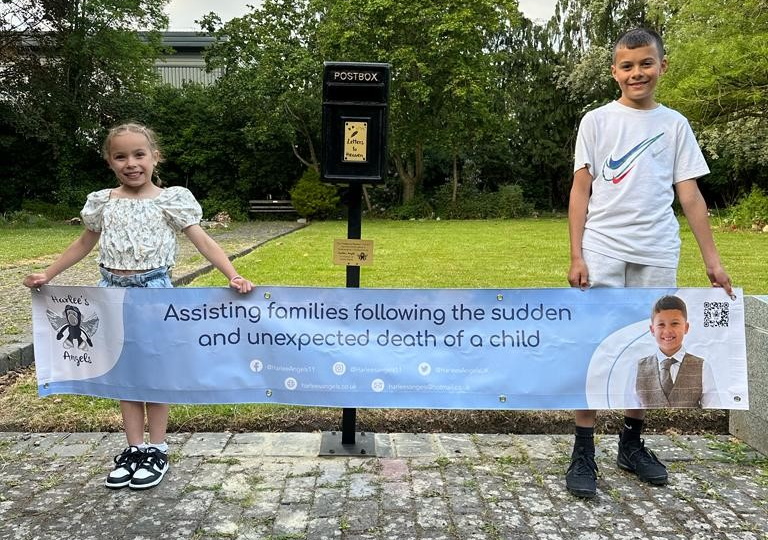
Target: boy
(671,377)
(629,155)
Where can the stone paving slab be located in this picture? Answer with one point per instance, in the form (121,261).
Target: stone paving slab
(274,486)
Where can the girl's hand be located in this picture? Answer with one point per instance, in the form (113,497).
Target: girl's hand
(35,280)
(241,284)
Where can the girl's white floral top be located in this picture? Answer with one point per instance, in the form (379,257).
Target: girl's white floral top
(140,234)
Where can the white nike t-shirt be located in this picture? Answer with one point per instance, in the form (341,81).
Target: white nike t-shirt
(635,157)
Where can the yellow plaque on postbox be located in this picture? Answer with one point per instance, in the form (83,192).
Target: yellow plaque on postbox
(356,142)
(353,252)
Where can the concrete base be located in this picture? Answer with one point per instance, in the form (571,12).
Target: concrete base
(752,426)
(364,445)
(16,356)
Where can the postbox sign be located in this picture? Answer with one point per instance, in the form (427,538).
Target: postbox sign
(355,111)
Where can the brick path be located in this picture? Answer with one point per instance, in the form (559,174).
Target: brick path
(419,486)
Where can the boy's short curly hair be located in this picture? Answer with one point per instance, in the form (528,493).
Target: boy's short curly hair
(639,37)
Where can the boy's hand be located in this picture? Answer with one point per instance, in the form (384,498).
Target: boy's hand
(578,274)
(720,278)
(35,280)
(241,284)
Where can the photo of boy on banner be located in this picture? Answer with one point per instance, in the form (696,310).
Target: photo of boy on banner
(671,376)
(707,324)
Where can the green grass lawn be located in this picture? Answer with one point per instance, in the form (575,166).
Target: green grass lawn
(26,245)
(431,254)
(471,254)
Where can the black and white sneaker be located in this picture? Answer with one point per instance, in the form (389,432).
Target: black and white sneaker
(151,470)
(125,467)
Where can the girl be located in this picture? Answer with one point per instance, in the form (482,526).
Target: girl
(135,225)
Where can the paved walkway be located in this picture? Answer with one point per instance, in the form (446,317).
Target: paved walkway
(274,486)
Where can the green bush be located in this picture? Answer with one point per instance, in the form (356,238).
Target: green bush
(52,211)
(416,208)
(511,203)
(751,212)
(471,203)
(217,202)
(24,219)
(313,199)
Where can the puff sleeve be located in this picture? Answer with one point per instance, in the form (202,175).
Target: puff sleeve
(180,207)
(93,211)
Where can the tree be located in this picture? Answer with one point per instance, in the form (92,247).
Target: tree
(444,88)
(584,31)
(718,78)
(205,148)
(272,73)
(543,116)
(443,85)
(70,67)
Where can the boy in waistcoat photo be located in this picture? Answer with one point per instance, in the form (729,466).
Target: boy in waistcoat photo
(672,377)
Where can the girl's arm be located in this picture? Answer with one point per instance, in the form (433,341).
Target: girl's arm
(72,255)
(212,251)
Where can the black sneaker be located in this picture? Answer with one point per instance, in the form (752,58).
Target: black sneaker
(125,467)
(151,470)
(635,457)
(581,478)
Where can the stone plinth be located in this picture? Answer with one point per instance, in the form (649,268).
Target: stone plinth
(752,426)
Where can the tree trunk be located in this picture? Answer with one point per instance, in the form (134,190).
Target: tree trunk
(455,175)
(410,172)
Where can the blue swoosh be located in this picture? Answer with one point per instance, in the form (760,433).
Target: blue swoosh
(639,148)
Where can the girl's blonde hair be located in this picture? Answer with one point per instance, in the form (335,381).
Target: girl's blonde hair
(130,127)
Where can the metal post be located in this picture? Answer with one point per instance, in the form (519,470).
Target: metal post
(354,231)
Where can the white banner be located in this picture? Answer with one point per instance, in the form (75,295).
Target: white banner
(391,348)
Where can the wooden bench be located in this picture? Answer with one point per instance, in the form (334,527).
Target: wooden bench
(271,206)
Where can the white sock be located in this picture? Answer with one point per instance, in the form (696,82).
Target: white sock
(162,446)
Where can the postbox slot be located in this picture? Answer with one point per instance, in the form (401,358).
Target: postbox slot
(355,93)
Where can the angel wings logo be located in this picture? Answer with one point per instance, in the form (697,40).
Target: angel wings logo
(75,331)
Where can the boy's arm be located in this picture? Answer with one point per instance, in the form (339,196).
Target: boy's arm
(578,274)
(72,255)
(212,251)
(695,210)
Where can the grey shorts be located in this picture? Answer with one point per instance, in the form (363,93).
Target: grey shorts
(606,271)
(157,278)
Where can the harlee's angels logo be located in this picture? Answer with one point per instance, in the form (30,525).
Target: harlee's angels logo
(75,331)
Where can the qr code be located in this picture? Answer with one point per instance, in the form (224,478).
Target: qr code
(716,314)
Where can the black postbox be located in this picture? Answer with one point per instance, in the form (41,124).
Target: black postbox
(355,112)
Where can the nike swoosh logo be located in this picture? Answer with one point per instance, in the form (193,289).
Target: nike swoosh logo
(619,168)
(639,149)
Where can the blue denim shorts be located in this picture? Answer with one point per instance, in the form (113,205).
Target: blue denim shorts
(157,278)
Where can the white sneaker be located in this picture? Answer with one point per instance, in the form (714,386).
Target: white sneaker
(125,467)
(150,470)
